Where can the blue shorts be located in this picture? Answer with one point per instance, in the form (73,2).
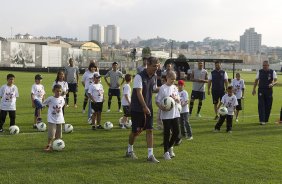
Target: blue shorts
(138,121)
(38,106)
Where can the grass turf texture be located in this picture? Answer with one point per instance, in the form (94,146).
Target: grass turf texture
(251,154)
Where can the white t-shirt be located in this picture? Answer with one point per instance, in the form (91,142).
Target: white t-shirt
(38,91)
(230,102)
(97,92)
(9,96)
(65,87)
(166,91)
(238,85)
(55,109)
(126,91)
(184,99)
(87,78)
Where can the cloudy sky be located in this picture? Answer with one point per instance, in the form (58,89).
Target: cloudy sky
(181,20)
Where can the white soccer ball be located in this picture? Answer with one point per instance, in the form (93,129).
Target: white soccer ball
(108,125)
(222,111)
(14,129)
(128,124)
(179,107)
(58,144)
(68,128)
(168,103)
(41,127)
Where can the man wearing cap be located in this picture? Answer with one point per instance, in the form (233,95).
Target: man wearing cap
(266,78)
(199,77)
(72,75)
(141,108)
(114,85)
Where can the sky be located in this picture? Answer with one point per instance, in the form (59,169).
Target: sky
(180,20)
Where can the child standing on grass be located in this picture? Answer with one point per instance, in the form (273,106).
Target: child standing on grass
(8,93)
(55,115)
(96,95)
(126,100)
(61,81)
(239,89)
(185,127)
(229,100)
(169,117)
(37,96)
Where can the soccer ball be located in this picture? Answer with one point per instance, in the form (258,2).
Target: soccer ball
(179,107)
(128,124)
(58,145)
(41,127)
(14,129)
(108,125)
(168,103)
(222,111)
(68,128)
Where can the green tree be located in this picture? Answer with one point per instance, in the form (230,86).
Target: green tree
(146,52)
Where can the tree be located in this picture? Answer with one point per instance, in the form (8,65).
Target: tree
(146,52)
(181,57)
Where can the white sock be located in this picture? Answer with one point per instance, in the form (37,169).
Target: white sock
(150,152)
(129,148)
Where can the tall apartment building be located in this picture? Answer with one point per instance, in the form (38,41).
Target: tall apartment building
(111,34)
(96,32)
(250,41)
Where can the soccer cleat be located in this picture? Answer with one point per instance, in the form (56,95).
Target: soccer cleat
(229,131)
(100,127)
(109,110)
(237,120)
(178,142)
(167,156)
(262,123)
(123,127)
(199,115)
(120,110)
(171,153)
(89,121)
(190,138)
(131,155)
(152,159)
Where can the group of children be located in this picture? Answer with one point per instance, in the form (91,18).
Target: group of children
(169,118)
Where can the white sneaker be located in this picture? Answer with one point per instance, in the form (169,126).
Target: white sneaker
(152,159)
(190,138)
(109,110)
(167,156)
(237,120)
(199,115)
(171,153)
(262,123)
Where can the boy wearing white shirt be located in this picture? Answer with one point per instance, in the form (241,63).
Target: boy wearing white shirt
(229,100)
(185,126)
(37,97)
(96,95)
(55,115)
(169,117)
(8,93)
(125,101)
(239,89)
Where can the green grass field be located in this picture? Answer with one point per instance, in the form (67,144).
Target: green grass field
(251,154)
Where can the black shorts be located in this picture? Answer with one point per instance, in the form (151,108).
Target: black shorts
(97,107)
(217,95)
(72,87)
(198,95)
(138,121)
(126,111)
(239,106)
(114,92)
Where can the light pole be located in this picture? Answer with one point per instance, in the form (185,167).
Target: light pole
(171,47)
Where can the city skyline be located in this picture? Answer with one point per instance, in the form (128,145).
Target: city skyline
(180,20)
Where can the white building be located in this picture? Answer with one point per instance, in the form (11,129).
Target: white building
(250,41)
(96,32)
(111,34)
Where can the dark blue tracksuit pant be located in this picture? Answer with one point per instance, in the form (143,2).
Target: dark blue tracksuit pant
(264,104)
